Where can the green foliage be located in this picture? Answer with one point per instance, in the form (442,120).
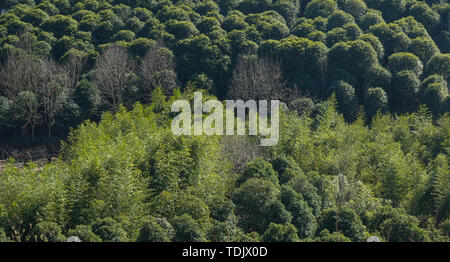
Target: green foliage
(187,229)
(377,76)
(140,46)
(28,196)
(60,25)
(85,234)
(254,6)
(405,61)
(326,236)
(288,9)
(280,233)
(259,169)
(131,178)
(343,220)
(361,53)
(257,202)
(392,9)
(375,43)
(405,85)
(303,29)
(424,48)
(402,229)
(357,8)
(6,113)
(446,227)
(47,232)
(347,100)
(3,237)
(124,35)
(343,169)
(109,230)
(155,230)
(25,108)
(207,37)
(439,64)
(302,186)
(434,96)
(181,29)
(303,217)
(372,17)
(87,97)
(35,17)
(339,19)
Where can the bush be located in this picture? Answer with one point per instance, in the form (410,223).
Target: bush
(187,229)
(375,100)
(402,229)
(280,233)
(320,8)
(155,230)
(47,232)
(446,227)
(257,205)
(85,234)
(326,236)
(343,220)
(434,97)
(109,230)
(405,61)
(3,237)
(259,168)
(347,100)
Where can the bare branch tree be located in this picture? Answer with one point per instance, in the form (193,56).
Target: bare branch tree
(259,78)
(240,150)
(74,68)
(112,75)
(157,69)
(53,91)
(19,73)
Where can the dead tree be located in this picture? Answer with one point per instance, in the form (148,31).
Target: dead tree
(112,74)
(240,150)
(157,69)
(259,78)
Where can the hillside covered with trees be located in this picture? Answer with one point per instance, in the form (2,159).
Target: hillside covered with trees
(364,133)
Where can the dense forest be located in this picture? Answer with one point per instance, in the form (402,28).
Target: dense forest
(364,126)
